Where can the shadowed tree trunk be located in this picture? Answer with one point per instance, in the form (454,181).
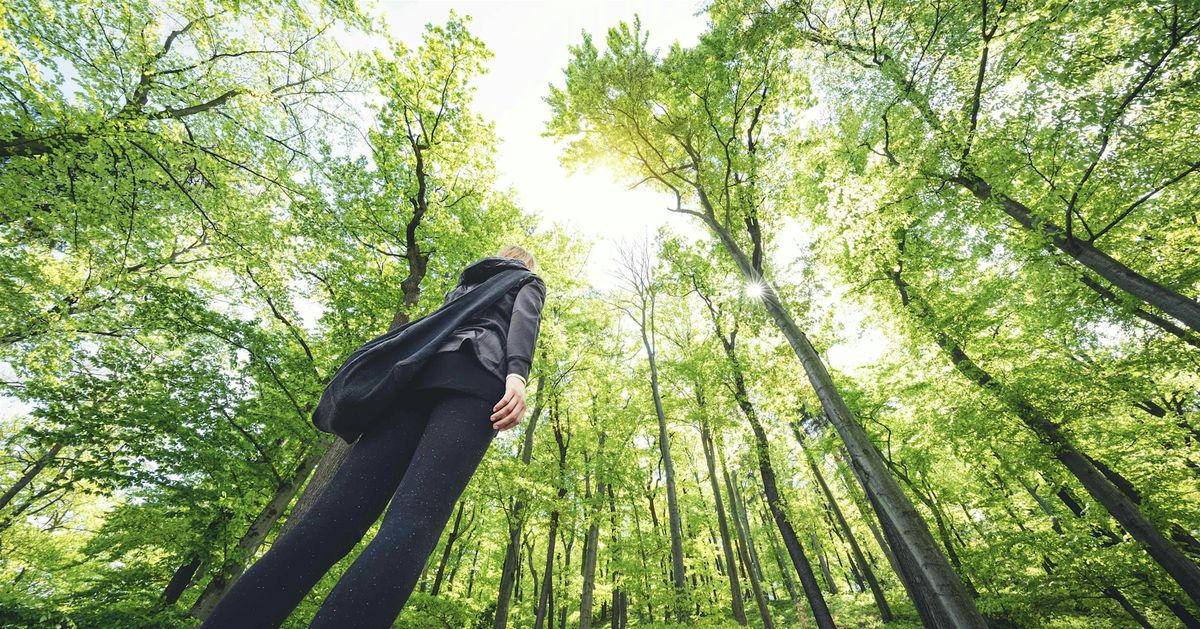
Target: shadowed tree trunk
(455,532)
(1049,565)
(808,580)
(885,612)
(591,542)
(511,555)
(620,599)
(781,563)
(544,600)
(30,473)
(183,575)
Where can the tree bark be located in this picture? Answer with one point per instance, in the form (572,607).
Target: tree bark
(30,473)
(1187,311)
(511,555)
(451,537)
(664,444)
(548,574)
(885,612)
(808,581)
(589,568)
(183,575)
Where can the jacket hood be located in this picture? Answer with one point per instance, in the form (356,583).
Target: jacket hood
(480,270)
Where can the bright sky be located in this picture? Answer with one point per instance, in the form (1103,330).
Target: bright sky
(530,41)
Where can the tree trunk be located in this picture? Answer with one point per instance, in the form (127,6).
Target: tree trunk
(254,536)
(885,612)
(183,575)
(824,563)
(511,555)
(788,582)
(1187,311)
(664,444)
(451,537)
(180,580)
(954,606)
(544,600)
(335,453)
(30,474)
(735,586)
(744,545)
(808,580)
(589,568)
(619,613)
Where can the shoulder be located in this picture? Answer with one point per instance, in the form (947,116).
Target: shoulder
(533,286)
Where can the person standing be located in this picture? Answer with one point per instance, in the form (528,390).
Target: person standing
(419,456)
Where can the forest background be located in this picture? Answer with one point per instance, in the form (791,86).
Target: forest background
(909,336)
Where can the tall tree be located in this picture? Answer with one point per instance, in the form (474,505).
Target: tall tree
(639,302)
(696,125)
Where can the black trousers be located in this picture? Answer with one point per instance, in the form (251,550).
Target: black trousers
(421,460)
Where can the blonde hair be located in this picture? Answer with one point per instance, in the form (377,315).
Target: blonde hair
(513,251)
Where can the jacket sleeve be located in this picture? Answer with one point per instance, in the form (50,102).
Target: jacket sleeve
(523,327)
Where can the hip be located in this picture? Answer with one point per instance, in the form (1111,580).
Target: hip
(459,370)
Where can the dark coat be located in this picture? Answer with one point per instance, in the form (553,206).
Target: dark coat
(503,336)
(374,379)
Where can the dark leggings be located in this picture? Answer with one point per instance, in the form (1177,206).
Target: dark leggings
(421,459)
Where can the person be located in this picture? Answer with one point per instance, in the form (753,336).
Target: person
(421,458)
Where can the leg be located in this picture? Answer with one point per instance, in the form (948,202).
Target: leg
(375,588)
(271,588)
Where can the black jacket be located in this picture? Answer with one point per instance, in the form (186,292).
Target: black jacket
(503,336)
(375,378)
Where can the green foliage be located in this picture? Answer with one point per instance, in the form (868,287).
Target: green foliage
(205,206)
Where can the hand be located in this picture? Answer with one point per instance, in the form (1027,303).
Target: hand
(508,411)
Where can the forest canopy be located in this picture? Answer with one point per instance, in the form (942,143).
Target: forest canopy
(207,205)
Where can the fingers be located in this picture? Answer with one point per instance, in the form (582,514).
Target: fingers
(508,395)
(505,407)
(512,418)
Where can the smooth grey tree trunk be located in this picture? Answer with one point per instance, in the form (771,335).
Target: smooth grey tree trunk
(735,586)
(744,546)
(673,517)
(885,612)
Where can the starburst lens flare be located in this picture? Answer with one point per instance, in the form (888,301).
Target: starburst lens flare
(754,290)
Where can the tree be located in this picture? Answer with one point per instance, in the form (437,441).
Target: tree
(694,124)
